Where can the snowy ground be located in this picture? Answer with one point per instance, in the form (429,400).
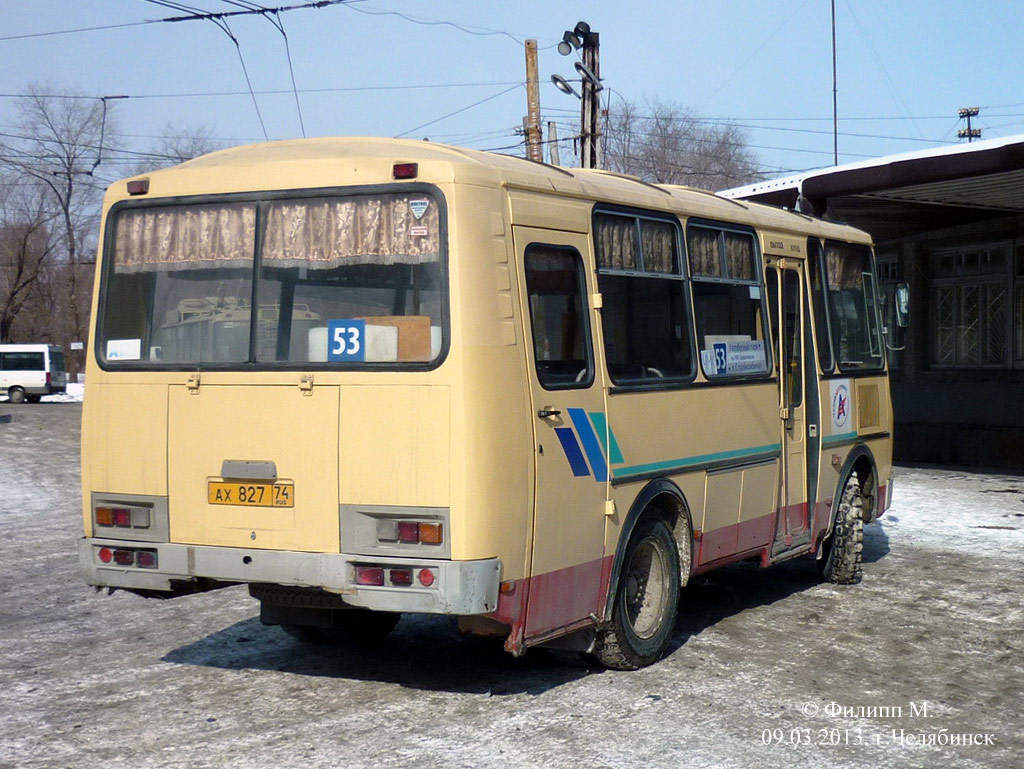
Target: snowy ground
(926,652)
(73,395)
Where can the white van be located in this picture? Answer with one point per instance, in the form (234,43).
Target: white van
(30,371)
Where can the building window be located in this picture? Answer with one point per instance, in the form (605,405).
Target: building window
(970,303)
(645,314)
(1018,309)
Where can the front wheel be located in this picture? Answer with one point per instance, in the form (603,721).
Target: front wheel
(16,395)
(646,600)
(844,549)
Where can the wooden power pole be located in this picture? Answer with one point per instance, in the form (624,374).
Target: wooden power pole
(533,142)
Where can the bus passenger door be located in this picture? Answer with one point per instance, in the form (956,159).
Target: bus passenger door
(785,297)
(568,571)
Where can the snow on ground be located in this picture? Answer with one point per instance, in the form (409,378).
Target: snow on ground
(75,393)
(959,510)
(769,669)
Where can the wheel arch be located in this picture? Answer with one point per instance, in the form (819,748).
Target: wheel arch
(663,498)
(860,462)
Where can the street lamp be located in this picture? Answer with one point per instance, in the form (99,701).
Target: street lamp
(582,37)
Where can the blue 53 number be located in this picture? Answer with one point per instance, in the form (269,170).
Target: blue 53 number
(345,339)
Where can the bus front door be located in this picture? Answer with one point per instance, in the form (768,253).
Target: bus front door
(785,296)
(568,572)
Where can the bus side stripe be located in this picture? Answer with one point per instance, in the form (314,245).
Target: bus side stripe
(601,426)
(757,452)
(572,451)
(590,444)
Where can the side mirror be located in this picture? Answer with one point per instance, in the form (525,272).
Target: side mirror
(901,301)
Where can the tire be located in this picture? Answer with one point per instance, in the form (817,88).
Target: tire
(16,395)
(646,600)
(359,627)
(843,551)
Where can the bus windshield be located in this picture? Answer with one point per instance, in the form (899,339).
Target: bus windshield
(853,304)
(351,279)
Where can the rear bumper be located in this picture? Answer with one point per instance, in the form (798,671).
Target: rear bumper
(461,587)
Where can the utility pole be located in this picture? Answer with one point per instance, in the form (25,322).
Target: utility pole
(590,105)
(577,38)
(553,144)
(533,144)
(835,93)
(969,133)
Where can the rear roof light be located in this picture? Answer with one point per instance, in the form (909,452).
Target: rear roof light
(405,170)
(138,187)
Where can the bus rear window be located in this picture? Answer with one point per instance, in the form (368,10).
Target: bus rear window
(336,280)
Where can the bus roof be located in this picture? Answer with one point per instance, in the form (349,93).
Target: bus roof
(343,161)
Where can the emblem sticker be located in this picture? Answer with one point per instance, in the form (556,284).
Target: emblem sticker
(419,207)
(839,394)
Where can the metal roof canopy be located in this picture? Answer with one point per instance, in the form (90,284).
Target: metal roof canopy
(901,195)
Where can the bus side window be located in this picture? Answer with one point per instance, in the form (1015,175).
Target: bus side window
(556,287)
(727,301)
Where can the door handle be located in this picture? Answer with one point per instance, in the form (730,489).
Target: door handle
(547,413)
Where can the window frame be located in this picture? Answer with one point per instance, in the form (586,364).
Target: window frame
(980,281)
(261,199)
(838,368)
(588,335)
(680,276)
(758,280)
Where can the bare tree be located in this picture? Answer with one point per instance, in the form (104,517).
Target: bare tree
(57,150)
(26,249)
(668,144)
(178,144)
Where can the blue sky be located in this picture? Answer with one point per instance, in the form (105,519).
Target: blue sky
(904,68)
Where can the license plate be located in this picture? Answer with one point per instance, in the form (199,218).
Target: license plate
(280,494)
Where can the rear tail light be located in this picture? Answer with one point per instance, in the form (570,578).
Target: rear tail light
(124,557)
(426,577)
(48,379)
(410,532)
(123,517)
(401,576)
(430,533)
(369,575)
(146,559)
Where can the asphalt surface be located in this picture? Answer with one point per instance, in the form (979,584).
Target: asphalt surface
(918,666)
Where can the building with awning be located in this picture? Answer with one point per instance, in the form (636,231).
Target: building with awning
(949,223)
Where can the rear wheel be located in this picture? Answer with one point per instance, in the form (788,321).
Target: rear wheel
(844,549)
(646,600)
(347,626)
(16,395)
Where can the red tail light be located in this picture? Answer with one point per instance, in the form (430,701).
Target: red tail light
(369,575)
(124,557)
(401,576)
(426,577)
(405,170)
(408,532)
(48,380)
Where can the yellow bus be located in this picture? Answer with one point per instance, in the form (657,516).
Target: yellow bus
(536,398)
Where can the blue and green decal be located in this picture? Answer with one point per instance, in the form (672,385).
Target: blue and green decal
(595,435)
